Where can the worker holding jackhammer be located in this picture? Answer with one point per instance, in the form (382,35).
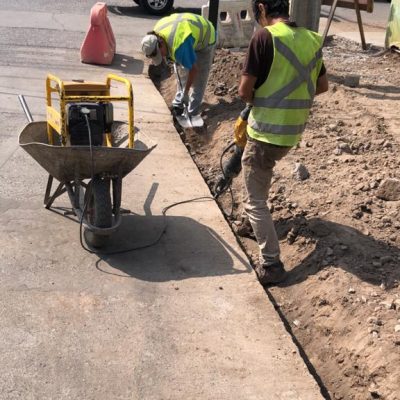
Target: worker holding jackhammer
(189,40)
(283,72)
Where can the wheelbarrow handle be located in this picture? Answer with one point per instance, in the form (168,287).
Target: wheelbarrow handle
(25,107)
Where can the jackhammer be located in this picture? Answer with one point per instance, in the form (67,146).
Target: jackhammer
(232,167)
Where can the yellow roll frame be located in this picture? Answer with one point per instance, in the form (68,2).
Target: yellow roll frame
(81,91)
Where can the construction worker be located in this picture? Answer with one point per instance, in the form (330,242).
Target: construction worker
(189,40)
(282,73)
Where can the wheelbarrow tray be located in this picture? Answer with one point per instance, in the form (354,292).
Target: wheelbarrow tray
(69,163)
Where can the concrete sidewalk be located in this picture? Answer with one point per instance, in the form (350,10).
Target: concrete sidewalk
(185,319)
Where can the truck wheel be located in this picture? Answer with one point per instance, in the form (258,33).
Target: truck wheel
(99,211)
(157,7)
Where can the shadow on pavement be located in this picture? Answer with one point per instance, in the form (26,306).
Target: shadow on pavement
(137,11)
(126,64)
(193,10)
(188,249)
(131,11)
(341,246)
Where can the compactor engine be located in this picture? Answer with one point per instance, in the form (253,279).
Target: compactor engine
(100,118)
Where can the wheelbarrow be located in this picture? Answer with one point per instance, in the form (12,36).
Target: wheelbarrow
(90,175)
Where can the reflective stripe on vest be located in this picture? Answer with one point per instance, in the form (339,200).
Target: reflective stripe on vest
(278,100)
(203,39)
(276,118)
(277,129)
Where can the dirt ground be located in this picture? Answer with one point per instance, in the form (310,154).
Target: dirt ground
(340,226)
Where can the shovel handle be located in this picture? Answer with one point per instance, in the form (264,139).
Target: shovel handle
(178,77)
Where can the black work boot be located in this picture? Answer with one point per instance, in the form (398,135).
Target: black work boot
(271,273)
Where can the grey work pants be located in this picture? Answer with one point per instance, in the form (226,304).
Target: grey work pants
(203,62)
(258,161)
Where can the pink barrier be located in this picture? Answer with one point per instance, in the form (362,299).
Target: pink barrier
(99,44)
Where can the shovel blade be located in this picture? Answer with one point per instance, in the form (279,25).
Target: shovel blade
(190,122)
(197,121)
(183,121)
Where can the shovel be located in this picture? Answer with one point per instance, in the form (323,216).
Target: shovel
(185,120)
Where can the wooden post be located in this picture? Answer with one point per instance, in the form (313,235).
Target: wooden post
(306,13)
(359,21)
(213,13)
(329,21)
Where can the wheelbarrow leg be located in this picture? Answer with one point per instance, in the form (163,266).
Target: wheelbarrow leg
(71,194)
(48,200)
(73,189)
(48,190)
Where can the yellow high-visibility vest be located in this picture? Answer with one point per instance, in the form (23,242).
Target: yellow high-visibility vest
(175,28)
(393,27)
(281,105)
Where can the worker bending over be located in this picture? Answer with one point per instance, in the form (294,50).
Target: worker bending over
(189,40)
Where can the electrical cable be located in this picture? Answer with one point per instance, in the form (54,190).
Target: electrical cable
(85,112)
(229,188)
(155,241)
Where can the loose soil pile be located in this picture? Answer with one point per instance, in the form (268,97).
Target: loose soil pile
(339,224)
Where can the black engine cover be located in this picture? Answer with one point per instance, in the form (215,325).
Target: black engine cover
(99,119)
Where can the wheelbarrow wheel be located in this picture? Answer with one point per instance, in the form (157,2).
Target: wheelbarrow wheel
(99,211)
(94,240)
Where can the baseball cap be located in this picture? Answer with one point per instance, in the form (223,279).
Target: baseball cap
(151,48)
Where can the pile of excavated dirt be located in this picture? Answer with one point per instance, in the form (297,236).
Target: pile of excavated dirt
(338,221)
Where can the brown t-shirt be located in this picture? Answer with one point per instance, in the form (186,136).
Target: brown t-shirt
(260,55)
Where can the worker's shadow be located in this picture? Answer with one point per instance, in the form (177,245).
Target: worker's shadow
(126,64)
(341,246)
(187,249)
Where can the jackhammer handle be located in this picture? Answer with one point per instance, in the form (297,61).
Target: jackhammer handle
(25,107)
(244,114)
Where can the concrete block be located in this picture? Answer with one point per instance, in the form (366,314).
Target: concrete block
(236,23)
